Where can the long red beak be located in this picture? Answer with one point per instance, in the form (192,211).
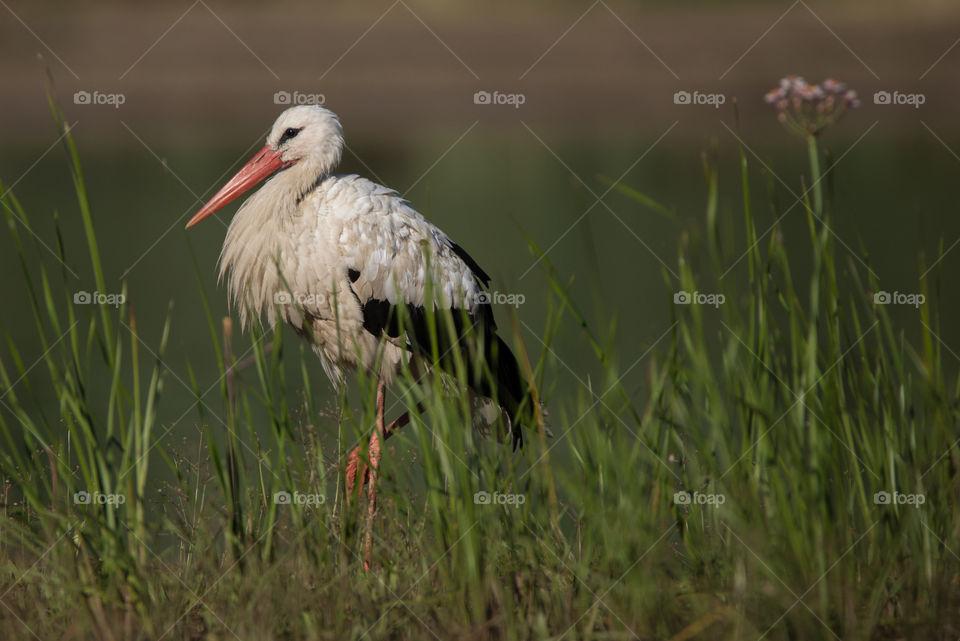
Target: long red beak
(261,166)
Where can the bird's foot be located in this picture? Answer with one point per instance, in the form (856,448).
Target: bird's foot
(357,471)
(360,477)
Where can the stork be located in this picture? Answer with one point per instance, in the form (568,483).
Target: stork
(362,276)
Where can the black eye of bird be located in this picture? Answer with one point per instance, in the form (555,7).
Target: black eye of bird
(288,134)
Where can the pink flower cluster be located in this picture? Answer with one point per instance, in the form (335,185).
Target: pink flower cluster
(808,109)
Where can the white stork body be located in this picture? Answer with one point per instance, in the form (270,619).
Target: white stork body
(348,264)
(301,265)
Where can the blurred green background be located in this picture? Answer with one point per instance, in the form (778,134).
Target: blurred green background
(598,80)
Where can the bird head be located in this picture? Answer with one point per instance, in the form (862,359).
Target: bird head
(306,141)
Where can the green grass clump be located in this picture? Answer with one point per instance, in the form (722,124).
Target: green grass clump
(737,498)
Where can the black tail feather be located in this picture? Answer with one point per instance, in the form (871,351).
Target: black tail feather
(513,392)
(499,376)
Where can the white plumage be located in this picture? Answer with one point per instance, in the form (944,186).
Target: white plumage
(300,266)
(294,245)
(340,258)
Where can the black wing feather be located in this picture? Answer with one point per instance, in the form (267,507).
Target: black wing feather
(468,260)
(382,318)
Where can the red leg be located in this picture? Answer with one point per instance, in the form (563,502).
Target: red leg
(375,453)
(357,471)
(364,474)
